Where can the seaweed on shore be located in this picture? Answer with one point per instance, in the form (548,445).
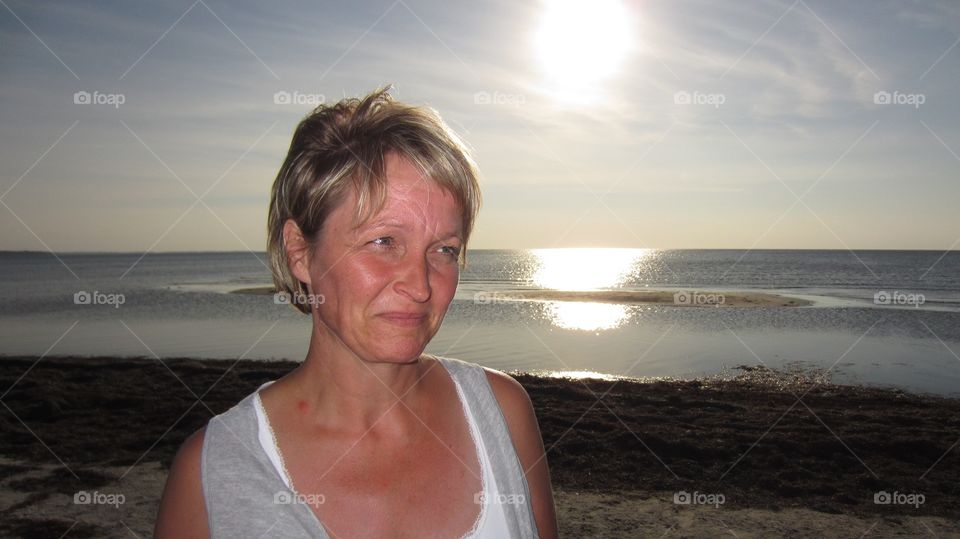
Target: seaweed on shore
(761,438)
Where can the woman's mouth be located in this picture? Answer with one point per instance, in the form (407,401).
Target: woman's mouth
(404,318)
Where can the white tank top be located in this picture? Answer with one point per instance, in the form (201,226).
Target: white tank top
(491,522)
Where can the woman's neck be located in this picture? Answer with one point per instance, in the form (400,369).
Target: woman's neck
(337,389)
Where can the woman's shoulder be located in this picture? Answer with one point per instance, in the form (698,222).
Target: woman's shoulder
(182,511)
(509,393)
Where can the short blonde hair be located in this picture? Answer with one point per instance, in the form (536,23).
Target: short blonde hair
(345,145)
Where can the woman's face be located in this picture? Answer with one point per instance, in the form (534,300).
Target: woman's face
(387,283)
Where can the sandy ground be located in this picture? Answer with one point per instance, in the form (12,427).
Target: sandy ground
(580,514)
(621,453)
(635,514)
(124,506)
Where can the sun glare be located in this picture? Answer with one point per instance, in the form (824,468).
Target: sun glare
(581,44)
(587,316)
(584,269)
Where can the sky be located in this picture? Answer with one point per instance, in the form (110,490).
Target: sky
(799,124)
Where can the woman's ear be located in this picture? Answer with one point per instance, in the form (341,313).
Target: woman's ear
(298,251)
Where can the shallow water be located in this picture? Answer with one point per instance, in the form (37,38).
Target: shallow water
(177,305)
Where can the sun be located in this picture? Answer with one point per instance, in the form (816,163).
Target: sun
(581,44)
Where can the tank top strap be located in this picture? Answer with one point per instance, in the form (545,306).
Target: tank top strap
(511,482)
(244,495)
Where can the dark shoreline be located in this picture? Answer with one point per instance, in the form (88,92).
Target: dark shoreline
(642,438)
(676,298)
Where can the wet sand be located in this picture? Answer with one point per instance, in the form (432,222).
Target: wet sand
(752,459)
(656,297)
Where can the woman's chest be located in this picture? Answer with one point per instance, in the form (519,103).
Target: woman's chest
(370,487)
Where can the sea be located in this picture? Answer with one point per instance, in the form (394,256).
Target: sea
(880,318)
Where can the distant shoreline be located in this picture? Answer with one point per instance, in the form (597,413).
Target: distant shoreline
(678,298)
(255,291)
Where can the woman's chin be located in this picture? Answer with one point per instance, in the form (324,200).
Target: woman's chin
(400,346)
(400,353)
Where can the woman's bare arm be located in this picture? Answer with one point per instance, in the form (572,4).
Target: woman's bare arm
(525,432)
(182,512)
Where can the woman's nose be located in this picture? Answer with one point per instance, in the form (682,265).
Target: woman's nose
(414,278)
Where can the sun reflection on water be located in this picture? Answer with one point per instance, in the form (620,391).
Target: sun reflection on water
(586,269)
(586,316)
(582,375)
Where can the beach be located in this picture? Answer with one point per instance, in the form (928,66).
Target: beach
(728,455)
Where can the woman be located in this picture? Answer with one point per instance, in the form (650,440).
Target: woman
(369,220)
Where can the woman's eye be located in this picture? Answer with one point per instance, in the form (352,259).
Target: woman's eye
(450,250)
(385,241)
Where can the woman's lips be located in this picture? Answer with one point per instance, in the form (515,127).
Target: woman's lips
(404,319)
